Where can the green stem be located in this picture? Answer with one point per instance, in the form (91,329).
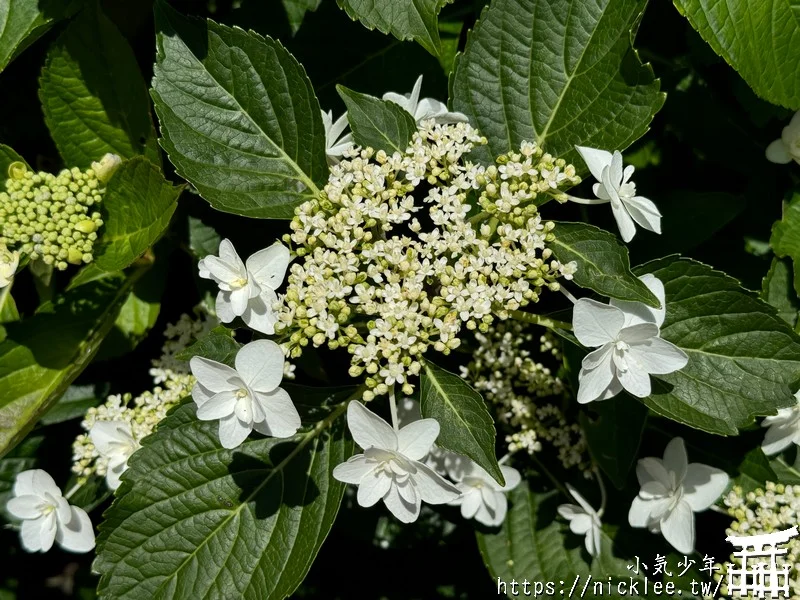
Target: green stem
(393,409)
(534,319)
(603,496)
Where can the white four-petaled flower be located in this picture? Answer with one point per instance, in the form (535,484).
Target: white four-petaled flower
(247,290)
(427,108)
(583,520)
(787,147)
(672,490)
(9,261)
(336,144)
(47,516)
(630,348)
(247,397)
(482,498)
(614,185)
(784,429)
(390,467)
(115,441)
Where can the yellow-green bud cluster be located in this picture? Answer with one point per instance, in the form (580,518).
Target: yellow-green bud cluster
(52,218)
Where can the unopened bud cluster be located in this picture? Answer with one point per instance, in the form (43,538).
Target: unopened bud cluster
(526,394)
(774,508)
(52,218)
(401,252)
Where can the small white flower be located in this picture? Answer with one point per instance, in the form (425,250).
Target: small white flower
(9,261)
(336,144)
(630,348)
(115,441)
(247,397)
(786,148)
(47,516)
(614,186)
(482,498)
(583,520)
(784,429)
(427,108)
(106,167)
(389,469)
(247,290)
(671,492)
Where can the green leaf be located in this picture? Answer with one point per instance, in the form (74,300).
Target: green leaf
(404,19)
(777,290)
(466,427)
(786,473)
(785,238)
(296,11)
(74,403)
(8,156)
(377,124)
(754,471)
(93,96)
(603,263)
(743,357)
(8,308)
(533,545)
(22,22)
(203,239)
(218,345)
(239,117)
(139,204)
(42,355)
(614,452)
(242,523)
(758,39)
(557,72)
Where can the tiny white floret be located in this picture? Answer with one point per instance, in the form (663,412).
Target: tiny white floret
(583,520)
(787,147)
(672,490)
(629,349)
(247,397)
(115,441)
(784,429)
(247,290)
(390,467)
(614,185)
(482,498)
(424,109)
(47,516)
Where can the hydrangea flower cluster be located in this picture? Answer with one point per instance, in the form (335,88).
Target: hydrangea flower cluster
(503,371)
(54,218)
(775,508)
(391,264)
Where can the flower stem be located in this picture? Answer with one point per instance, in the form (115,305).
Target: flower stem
(603,495)
(393,409)
(568,294)
(587,201)
(72,491)
(533,319)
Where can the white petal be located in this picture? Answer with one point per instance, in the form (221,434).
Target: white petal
(678,528)
(415,439)
(405,512)
(653,469)
(368,429)
(47,531)
(615,170)
(232,432)
(281,416)
(652,490)
(432,487)
(703,485)
(638,312)
(785,416)
(63,513)
(201,394)
(512,477)
(595,159)
(260,365)
(398,99)
(214,376)
(114,472)
(779,437)
(268,266)
(675,459)
(580,524)
(489,496)
(338,126)
(223,307)
(639,513)
(635,381)
(570,511)
(107,436)
(27,506)
(493,517)
(407,491)
(776,152)
(373,487)
(352,471)
(595,383)
(595,358)
(259,315)
(594,540)
(624,221)
(470,503)
(221,270)
(31,533)
(78,534)
(638,333)
(644,212)
(659,356)
(413,101)
(239,299)
(587,508)
(595,323)
(218,406)
(35,482)
(228,253)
